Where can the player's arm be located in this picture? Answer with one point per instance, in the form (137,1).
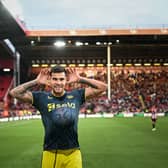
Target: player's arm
(22,92)
(96,87)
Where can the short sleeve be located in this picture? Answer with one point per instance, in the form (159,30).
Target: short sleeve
(81,95)
(36,99)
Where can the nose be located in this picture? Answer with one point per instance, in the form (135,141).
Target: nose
(58,82)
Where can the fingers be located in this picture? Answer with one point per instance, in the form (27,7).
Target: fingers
(70,70)
(45,71)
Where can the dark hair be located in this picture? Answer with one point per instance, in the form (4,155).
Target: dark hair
(57,69)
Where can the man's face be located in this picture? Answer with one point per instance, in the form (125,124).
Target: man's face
(58,81)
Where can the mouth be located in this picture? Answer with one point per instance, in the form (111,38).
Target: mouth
(58,88)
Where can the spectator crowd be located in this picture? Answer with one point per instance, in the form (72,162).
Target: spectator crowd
(133,89)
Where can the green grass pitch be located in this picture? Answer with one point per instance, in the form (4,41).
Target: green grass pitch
(105,143)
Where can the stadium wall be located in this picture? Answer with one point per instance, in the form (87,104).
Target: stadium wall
(102,115)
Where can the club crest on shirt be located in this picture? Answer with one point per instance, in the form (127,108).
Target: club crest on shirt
(50,97)
(70,97)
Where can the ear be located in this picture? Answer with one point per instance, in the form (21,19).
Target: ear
(49,77)
(48,83)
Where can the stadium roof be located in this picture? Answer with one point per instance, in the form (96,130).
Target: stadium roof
(38,45)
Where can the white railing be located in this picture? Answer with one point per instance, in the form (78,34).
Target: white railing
(7,92)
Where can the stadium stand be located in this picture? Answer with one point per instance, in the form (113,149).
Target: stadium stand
(128,87)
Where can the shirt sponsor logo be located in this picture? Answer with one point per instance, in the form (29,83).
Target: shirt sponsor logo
(53,106)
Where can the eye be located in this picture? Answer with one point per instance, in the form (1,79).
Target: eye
(55,79)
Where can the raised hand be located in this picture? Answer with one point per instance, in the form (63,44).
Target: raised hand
(44,76)
(72,75)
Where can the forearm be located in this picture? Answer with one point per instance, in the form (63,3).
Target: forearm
(93,83)
(21,92)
